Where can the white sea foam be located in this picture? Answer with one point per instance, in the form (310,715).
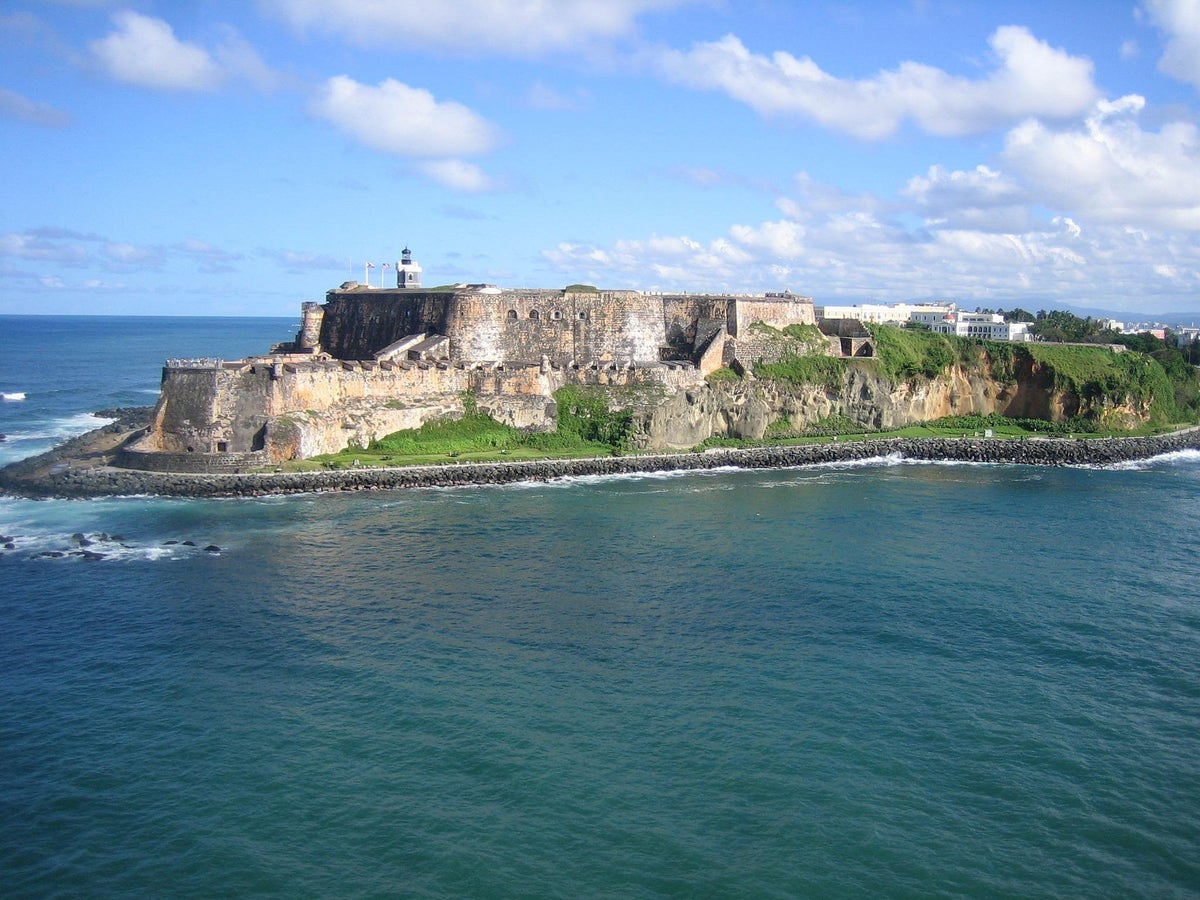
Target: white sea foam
(1175,457)
(972,463)
(66,548)
(58,429)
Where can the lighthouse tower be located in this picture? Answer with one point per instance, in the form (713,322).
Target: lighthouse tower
(408,273)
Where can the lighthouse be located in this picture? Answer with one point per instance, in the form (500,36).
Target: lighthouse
(408,273)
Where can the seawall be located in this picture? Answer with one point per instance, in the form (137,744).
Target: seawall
(64,481)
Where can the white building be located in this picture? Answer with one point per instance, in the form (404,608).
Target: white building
(984,326)
(895,314)
(1184,336)
(408,273)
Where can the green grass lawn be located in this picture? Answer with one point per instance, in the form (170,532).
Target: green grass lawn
(480,439)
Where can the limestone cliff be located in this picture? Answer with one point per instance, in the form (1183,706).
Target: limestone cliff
(1017,386)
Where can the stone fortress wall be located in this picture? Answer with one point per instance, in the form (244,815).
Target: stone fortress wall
(567,327)
(372,361)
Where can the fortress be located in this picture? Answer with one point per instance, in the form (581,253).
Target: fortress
(371,361)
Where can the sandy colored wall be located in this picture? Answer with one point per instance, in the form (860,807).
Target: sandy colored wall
(776,312)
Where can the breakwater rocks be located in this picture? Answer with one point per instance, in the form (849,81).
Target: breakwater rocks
(65,481)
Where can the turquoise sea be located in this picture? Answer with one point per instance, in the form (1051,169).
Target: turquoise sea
(890,679)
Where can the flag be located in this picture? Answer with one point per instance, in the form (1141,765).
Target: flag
(387,265)
(370,265)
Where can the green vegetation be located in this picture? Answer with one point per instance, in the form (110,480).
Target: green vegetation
(803,357)
(836,424)
(823,371)
(1061,326)
(1002,426)
(904,354)
(586,427)
(1156,377)
(585,413)
(581,289)
(723,374)
(1101,377)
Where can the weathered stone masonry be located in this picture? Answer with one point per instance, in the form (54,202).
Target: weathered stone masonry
(371,361)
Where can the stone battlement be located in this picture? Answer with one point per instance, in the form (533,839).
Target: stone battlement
(372,361)
(202,362)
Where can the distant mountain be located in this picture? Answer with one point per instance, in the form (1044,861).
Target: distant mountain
(1178,319)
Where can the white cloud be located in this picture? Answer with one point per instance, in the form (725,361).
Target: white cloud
(48,247)
(144,51)
(302,260)
(209,258)
(407,121)
(701,176)
(126,255)
(18,107)
(1111,171)
(981,199)
(1179,20)
(1031,79)
(782,240)
(526,28)
(241,61)
(541,96)
(457,175)
(66,247)
(853,252)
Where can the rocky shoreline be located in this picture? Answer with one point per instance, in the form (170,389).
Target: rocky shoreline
(79,468)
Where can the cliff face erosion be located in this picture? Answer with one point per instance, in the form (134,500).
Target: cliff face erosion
(1053,383)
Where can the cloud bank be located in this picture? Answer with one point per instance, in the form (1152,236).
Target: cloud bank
(1031,79)
(1179,21)
(143,51)
(499,27)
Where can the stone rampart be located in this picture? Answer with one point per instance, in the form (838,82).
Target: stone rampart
(372,358)
(192,463)
(359,321)
(525,325)
(299,408)
(776,311)
(692,321)
(506,326)
(756,345)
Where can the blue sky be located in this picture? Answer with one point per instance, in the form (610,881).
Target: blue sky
(237,158)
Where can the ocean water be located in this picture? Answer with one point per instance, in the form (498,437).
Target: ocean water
(884,679)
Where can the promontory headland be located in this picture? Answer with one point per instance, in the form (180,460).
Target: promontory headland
(650,377)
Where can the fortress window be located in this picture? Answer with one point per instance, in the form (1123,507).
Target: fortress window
(556,314)
(534,314)
(512,313)
(583,317)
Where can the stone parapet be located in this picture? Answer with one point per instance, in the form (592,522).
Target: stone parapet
(194,463)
